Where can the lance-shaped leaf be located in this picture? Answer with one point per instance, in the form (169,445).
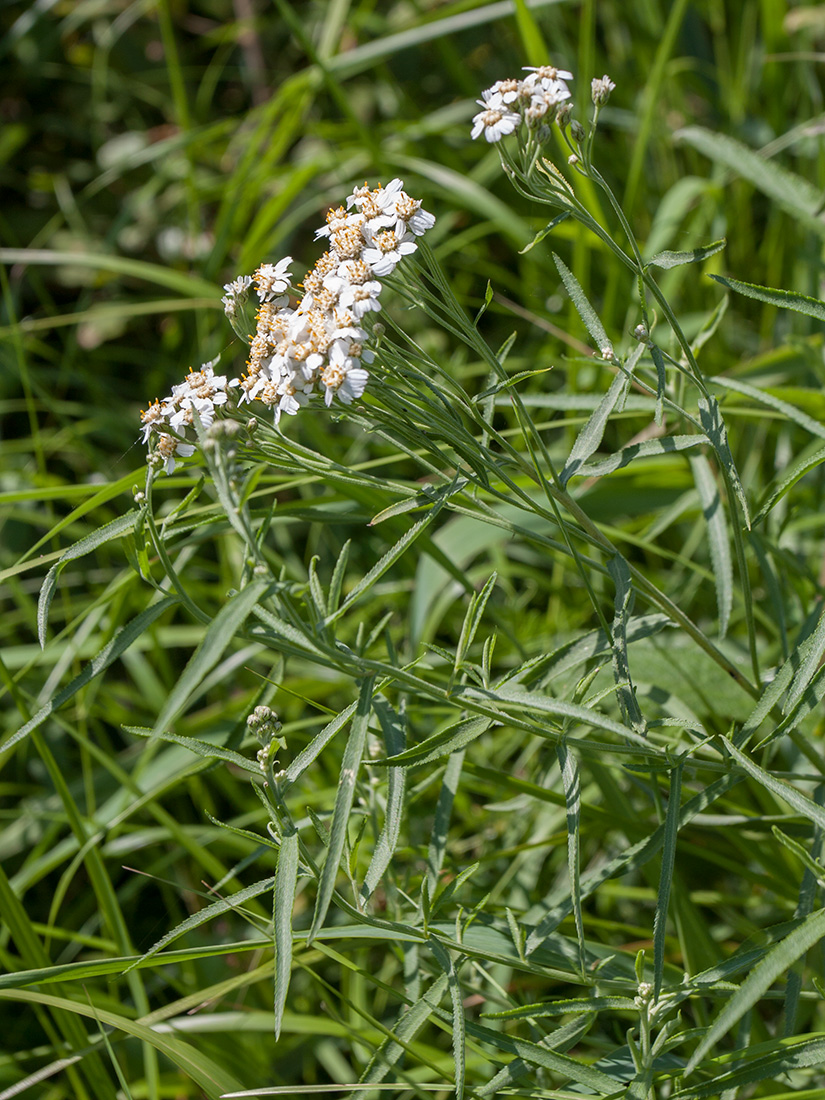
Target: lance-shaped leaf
(590,436)
(775,963)
(283,901)
(584,308)
(350,765)
(666,877)
(114,530)
(669,259)
(395,738)
(218,636)
(444,959)
(715,430)
(110,652)
(718,541)
(785,299)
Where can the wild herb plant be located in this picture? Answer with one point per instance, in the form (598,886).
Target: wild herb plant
(553,941)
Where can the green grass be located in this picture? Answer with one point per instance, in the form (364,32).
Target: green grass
(535,851)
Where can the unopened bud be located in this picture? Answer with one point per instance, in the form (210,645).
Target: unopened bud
(577,130)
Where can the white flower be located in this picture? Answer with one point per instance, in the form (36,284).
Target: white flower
(336,219)
(272,279)
(168,447)
(385,249)
(496,120)
(236,293)
(509,90)
(545,75)
(360,298)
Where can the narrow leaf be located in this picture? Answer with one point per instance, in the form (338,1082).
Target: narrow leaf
(217,638)
(720,556)
(114,530)
(286,879)
(669,259)
(785,299)
(792,413)
(584,308)
(715,429)
(454,737)
(571,782)
(666,877)
(395,738)
(800,802)
(110,653)
(444,959)
(650,448)
(350,765)
(775,963)
(590,436)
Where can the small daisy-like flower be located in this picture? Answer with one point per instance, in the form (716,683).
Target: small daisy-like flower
(385,249)
(168,447)
(510,90)
(153,416)
(545,75)
(272,280)
(496,120)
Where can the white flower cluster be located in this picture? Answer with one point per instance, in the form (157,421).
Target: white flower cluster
(533,100)
(317,345)
(202,391)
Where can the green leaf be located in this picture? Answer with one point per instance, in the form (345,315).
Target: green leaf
(793,194)
(674,805)
(218,636)
(441,822)
(792,413)
(773,965)
(110,653)
(779,787)
(456,736)
(571,781)
(283,901)
(718,541)
(114,530)
(695,255)
(590,436)
(444,959)
(216,909)
(542,233)
(793,473)
(714,426)
(345,794)
(784,299)
(650,448)
(585,309)
(395,738)
(200,748)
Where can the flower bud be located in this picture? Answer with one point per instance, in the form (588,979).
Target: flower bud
(600,89)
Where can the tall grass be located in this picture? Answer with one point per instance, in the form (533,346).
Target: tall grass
(594,863)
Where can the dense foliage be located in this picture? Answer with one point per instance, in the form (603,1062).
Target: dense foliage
(562,558)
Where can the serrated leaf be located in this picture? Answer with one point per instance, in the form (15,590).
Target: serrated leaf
(590,436)
(666,877)
(714,427)
(669,259)
(800,802)
(216,909)
(283,901)
(650,448)
(199,748)
(345,794)
(444,959)
(796,471)
(217,638)
(776,962)
(792,413)
(784,299)
(395,739)
(718,541)
(584,309)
